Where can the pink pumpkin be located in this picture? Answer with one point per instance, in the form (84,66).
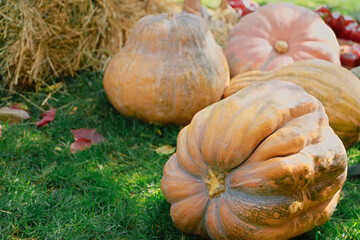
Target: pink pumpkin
(277,35)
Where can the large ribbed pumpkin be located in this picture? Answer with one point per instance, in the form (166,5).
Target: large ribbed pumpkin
(170,68)
(276,35)
(336,87)
(261,164)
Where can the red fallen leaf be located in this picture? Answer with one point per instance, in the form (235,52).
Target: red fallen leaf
(87,134)
(47,117)
(80,145)
(84,138)
(14,115)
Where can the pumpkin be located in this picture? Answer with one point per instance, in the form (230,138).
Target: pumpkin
(336,87)
(276,35)
(170,68)
(261,164)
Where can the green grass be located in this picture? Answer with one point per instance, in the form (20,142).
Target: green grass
(112,190)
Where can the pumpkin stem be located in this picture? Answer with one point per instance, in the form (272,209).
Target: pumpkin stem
(223,4)
(192,6)
(281,46)
(215,182)
(170,15)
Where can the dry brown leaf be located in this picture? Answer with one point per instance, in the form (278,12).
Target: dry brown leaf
(165,150)
(14,115)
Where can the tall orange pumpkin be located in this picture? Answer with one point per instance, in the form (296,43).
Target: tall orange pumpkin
(261,164)
(170,68)
(277,35)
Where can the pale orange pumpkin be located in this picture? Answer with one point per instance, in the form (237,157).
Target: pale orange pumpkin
(276,35)
(170,68)
(335,86)
(261,164)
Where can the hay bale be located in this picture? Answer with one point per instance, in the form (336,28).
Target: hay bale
(220,22)
(220,19)
(40,40)
(51,38)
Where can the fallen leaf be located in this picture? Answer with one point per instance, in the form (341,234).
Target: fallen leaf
(87,134)
(58,149)
(14,115)
(47,117)
(158,132)
(165,150)
(84,138)
(74,109)
(19,106)
(80,145)
(0,131)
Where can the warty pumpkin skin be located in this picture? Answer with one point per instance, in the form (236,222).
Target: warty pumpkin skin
(277,35)
(336,87)
(170,68)
(261,164)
